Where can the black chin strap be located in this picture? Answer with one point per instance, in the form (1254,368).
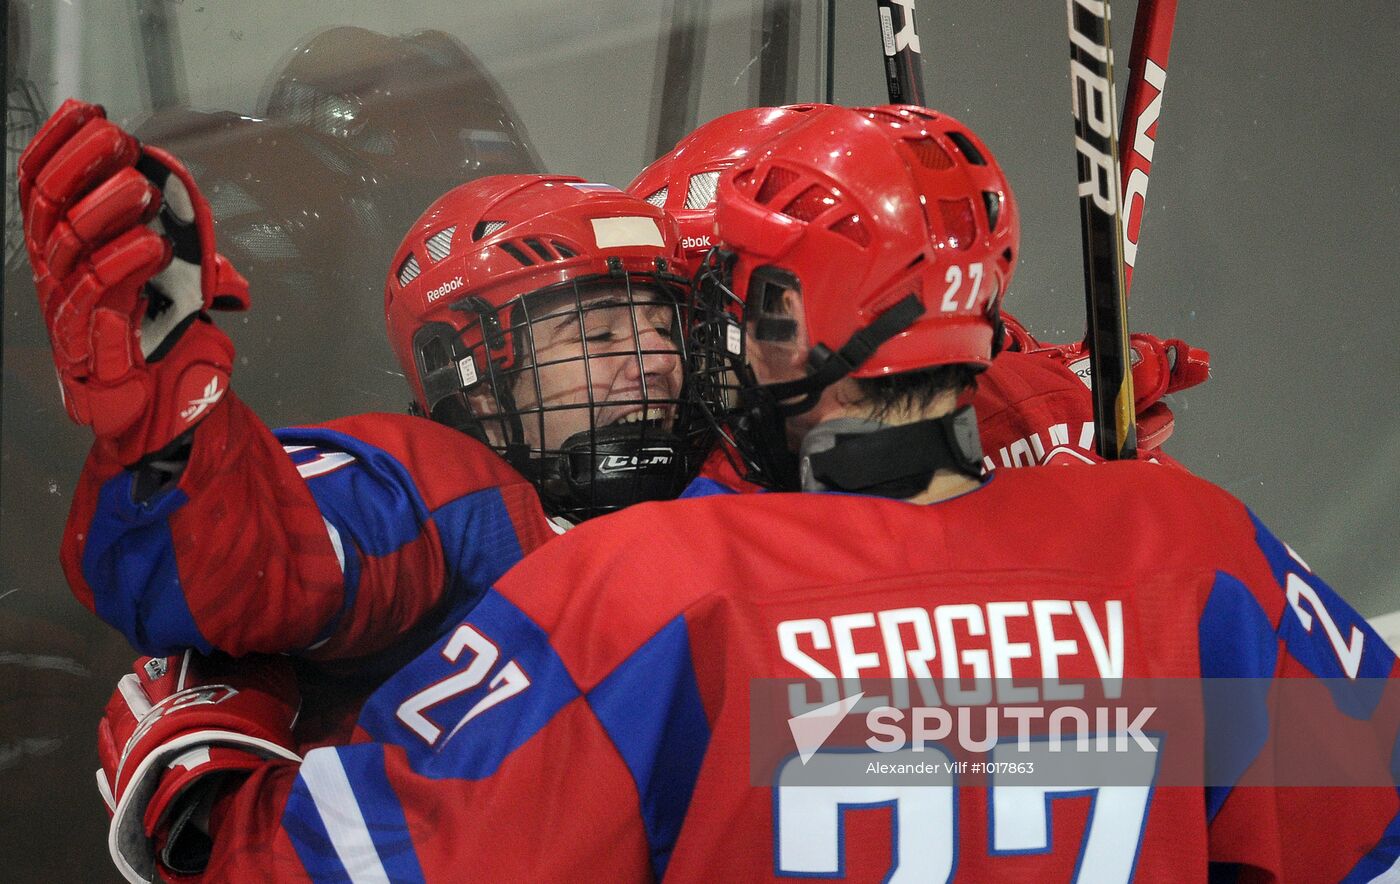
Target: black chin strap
(828,367)
(759,421)
(896,462)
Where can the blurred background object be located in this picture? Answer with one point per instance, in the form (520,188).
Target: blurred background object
(24,111)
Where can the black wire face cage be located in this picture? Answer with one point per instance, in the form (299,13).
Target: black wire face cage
(582,386)
(745,418)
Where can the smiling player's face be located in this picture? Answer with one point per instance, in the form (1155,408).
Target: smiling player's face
(632,370)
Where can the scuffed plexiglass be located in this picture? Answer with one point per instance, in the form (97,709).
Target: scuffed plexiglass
(320,130)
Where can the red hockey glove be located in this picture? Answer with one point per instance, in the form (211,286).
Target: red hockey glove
(121,243)
(1018,338)
(1159,367)
(175,732)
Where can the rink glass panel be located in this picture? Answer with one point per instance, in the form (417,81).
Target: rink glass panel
(1265,242)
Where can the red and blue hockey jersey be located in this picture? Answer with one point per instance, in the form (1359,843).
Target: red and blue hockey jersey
(590,718)
(376,520)
(333,540)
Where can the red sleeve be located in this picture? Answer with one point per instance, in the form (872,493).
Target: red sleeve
(561,807)
(368,527)
(1032,410)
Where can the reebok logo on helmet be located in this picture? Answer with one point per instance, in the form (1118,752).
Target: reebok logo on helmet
(446,288)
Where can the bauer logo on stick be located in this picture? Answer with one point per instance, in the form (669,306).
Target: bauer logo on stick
(1091,99)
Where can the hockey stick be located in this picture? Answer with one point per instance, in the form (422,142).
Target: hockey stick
(775,44)
(829,74)
(5,62)
(676,101)
(1147,80)
(904,66)
(161,55)
(1100,214)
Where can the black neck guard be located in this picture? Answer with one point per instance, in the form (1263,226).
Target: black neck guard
(868,457)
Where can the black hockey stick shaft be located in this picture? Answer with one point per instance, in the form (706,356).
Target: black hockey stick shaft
(676,101)
(1100,215)
(5,62)
(1147,82)
(829,64)
(904,66)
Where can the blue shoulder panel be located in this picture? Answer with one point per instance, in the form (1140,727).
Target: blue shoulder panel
(477,748)
(650,706)
(1237,642)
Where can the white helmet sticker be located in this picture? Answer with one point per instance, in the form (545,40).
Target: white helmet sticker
(616,233)
(466,370)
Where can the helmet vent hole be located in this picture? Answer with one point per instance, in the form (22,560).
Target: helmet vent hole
(658,199)
(409,270)
(515,252)
(433,355)
(440,243)
(778,180)
(880,113)
(958,223)
(969,150)
(539,249)
(852,228)
(563,250)
(811,203)
(701,191)
(930,153)
(992,200)
(486,228)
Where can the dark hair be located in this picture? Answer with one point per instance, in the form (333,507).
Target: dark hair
(915,390)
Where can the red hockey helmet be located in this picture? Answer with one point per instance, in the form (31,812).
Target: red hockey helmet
(542,314)
(899,232)
(683,181)
(864,208)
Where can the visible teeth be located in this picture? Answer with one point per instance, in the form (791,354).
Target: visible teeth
(654,414)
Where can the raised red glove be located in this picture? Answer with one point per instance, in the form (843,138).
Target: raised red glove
(177,731)
(1018,337)
(121,243)
(1159,367)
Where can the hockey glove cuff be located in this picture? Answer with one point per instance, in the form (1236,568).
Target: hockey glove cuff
(177,731)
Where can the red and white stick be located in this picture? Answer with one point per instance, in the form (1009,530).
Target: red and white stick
(1147,80)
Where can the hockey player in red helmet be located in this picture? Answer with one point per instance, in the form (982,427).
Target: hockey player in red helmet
(872,264)
(540,314)
(345,545)
(1030,410)
(608,695)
